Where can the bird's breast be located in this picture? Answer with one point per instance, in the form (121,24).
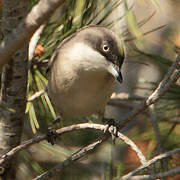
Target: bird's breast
(82,94)
(91,93)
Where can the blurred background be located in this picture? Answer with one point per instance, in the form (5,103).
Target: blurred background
(151,33)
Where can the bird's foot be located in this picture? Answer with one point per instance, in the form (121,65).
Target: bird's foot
(112,127)
(51,134)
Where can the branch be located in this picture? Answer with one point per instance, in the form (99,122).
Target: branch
(73,128)
(170,78)
(150,162)
(37,94)
(77,155)
(132,145)
(22,34)
(83,151)
(161,89)
(171,172)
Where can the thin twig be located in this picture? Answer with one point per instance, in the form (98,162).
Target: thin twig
(150,162)
(83,151)
(170,78)
(169,132)
(171,172)
(133,146)
(100,127)
(37,94)
(77,155)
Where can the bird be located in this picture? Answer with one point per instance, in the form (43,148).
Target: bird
(84,70)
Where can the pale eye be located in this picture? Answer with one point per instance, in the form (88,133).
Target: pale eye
(105,48)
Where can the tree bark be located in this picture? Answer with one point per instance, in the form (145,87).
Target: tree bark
(37,16)
(13,87)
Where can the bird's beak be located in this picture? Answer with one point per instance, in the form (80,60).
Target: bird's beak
(116,72)
(120,78)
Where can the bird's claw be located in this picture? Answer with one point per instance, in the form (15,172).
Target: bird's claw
(112,127)
(51,135)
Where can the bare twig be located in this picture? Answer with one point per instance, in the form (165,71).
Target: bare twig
(150,162)
(39,138)
(171,172)
(169,132)
(22,34)
(83,151)
(170,78)
(73,128)
(133,146)
(77,155)
(37,94)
